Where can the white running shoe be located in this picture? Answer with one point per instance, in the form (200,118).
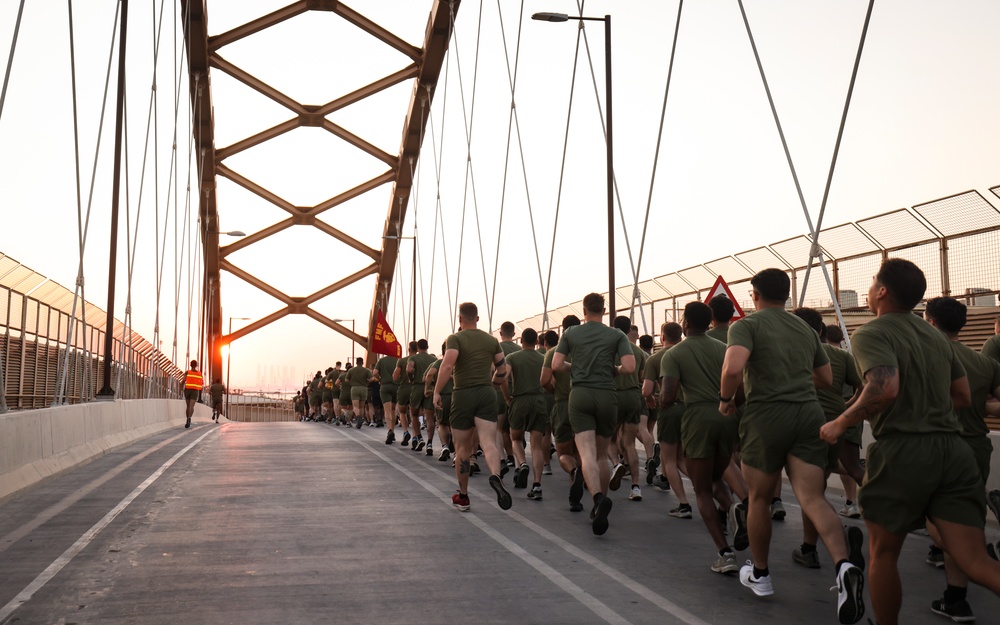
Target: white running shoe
(761,587)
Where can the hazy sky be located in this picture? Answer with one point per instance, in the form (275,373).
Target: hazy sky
(922,125)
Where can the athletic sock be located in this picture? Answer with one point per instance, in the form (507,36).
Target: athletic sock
(807,548)
(849,502)
(759,573)
(954,594)
(726,550)
(775,499)
(538,484)
(598,496)
(841,563)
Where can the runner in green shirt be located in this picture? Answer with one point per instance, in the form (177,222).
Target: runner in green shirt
(784,363)
(387,392)
(522,391)
(629,415)
(400,377)
(592,348)
(359,377)
(912,380)
(478,363)
(991,348)
(421,405)
(507,344)
(559,384)
(722,315)
(949,315)
(442,415)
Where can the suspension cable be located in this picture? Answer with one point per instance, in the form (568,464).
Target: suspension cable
(10,57)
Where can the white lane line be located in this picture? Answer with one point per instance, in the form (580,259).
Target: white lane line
(554,576)
(53,569)
(618,576)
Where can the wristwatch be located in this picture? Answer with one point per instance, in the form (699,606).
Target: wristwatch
(725,400)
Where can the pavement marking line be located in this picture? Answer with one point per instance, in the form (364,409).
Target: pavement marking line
(554,576)
(53,569)
(63,504)
(643,591)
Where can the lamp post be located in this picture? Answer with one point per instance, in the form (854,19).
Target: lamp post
(229,359)
(563,17)
(353,343)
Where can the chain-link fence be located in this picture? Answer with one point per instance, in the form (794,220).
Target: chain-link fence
(52,347)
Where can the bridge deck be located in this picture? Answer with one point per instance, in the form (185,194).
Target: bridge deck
(302,523)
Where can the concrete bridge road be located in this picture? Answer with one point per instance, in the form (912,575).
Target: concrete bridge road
(304,523)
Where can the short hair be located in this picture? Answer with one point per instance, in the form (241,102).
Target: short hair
(633,328)
(904,281)
(722,308)
(218,380)
(948,313)
(569,321)
(339,363)
(834,334)
(698,316)
(594,303)
(646,342)
(422,344)
(772,284)
(812,317)
(551,338)
(360,360)
(194,363)
(412,346)
(623,323)
(507,329)
(529,336)
(673,331)
(468,311)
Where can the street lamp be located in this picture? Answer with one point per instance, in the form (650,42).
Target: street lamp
(229,358)
(563,17)
(353,342)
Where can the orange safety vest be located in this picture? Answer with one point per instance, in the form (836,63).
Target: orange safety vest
(193,380)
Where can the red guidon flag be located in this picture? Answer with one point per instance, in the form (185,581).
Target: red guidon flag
(383,339)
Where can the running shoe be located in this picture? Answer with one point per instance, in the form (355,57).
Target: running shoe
(503,469)
(726,563)
(855,541)
(461,502)
(390,437)
(503,497)
(960,612)
(635,494)
(535,494)
(188,424)
(808,559)
(738,526)
(993,501)
(445,454)
(599,516)
(661,482)
(656,453)
(850,510)
(359,422)
(510,462)
(850,597)
(521,476)
(935,557)
(546,469)
(777,510)
(761,586)
(474,468)
(650,471)
(616,476)
(576,490)
(430,450)
(406,439)
(682,511)
(417,443)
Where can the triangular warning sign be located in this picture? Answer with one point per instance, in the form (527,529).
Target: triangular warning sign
(721,288)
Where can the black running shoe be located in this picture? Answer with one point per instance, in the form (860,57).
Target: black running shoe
(503,497)
(390,437)
(188,424)
(850,594)
(406,439)
(521,476)
(445,454)
(960,611)
(576,489)
(419,445)
(650,471)
(738,525)
(993,501)
(600,515)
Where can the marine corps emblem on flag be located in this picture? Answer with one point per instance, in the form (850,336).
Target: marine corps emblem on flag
(384,339)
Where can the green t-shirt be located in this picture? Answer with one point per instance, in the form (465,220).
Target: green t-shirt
(651,370)
(784,350)
(358,376)
(720,333)
(421,361)
(449,387)
(991,348)
(845,371)
(525,372)
(927,365)
(345,383)
(561,380)
(984,378)
(404,378)
(477,351)
(384,368)
(696,362)
(508,347)
(632,381)
(592,348)
(217,390)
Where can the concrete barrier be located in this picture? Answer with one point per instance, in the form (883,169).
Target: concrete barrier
(36,444)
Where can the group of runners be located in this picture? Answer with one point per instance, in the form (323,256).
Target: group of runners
(732,406)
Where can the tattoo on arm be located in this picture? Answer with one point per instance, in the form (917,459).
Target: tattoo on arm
(873,398)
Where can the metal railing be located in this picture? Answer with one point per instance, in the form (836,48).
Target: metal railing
(258,409)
